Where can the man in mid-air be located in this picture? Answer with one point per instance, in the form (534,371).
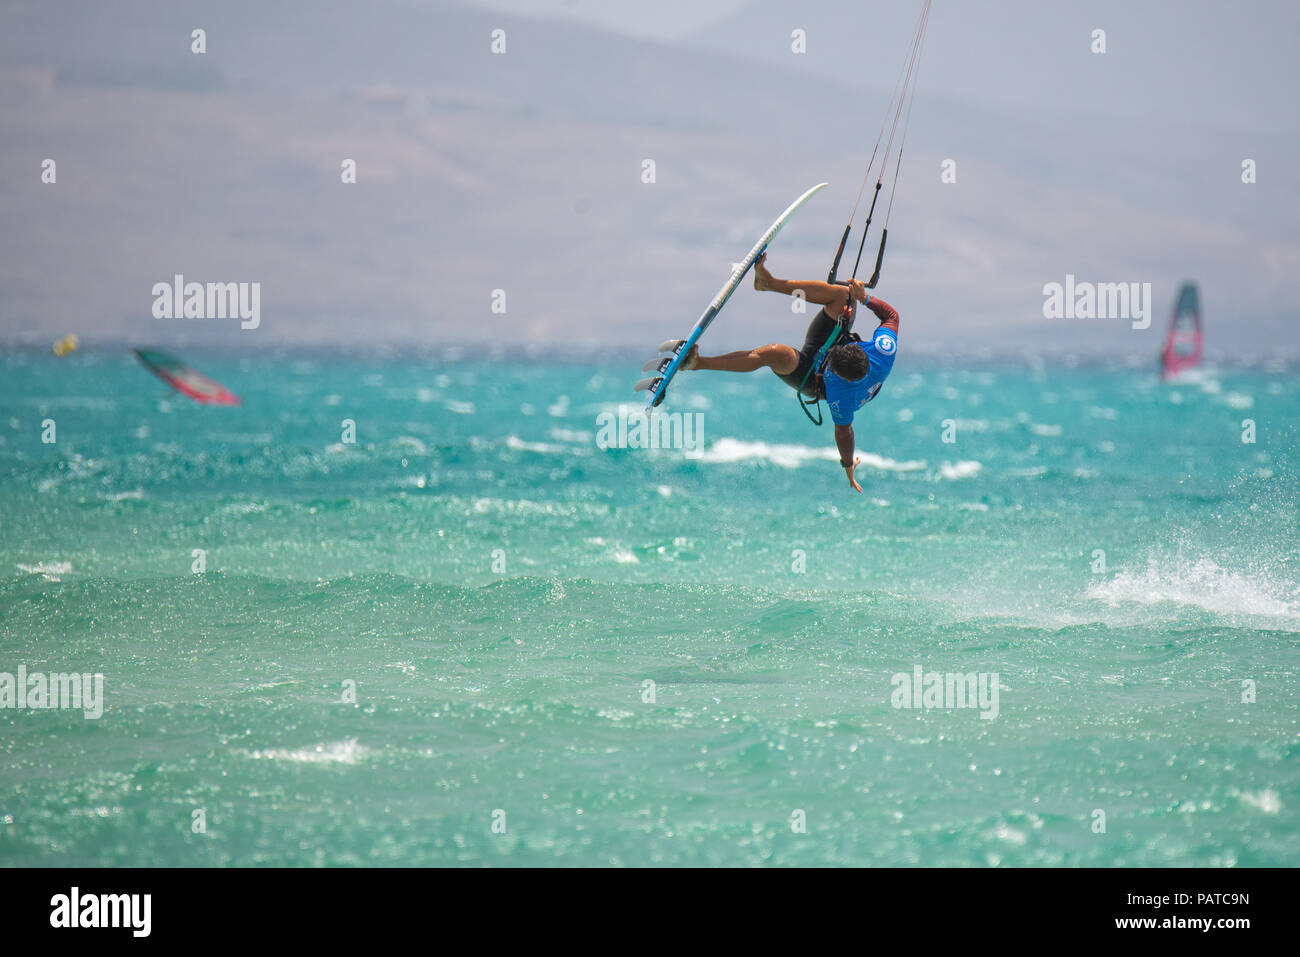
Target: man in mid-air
(852,372)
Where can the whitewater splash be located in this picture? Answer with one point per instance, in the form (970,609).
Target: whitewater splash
(1200,584)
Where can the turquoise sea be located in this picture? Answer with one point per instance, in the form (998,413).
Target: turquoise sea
(563,655)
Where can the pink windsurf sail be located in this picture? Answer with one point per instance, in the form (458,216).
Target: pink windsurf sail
(185,380)
(1185,340)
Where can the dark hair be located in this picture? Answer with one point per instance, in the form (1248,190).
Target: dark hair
(849,362)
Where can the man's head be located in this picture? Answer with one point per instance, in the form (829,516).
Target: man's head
(849,362)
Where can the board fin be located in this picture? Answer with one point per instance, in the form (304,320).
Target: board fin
(649,383)
(671,345)
(657,364)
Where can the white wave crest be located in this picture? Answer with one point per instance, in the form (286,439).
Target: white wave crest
(729,450)
(1267,800)
(49,570)
(411,442)
(960,470)
(337,752)
(545,448)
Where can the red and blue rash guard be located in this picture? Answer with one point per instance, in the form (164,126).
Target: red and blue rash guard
(845,397)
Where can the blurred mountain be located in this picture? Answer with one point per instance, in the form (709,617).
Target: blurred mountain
(1197,61)
(522,172)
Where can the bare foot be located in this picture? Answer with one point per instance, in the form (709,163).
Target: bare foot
(762,278)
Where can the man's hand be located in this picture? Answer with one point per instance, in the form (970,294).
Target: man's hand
(849,471)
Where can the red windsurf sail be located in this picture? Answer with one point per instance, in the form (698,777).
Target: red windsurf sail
(1185,341)
(185,380)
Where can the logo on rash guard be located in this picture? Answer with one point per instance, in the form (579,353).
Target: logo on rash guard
(884,344)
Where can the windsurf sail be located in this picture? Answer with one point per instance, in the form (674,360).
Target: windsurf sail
(186,380)
(1184,342)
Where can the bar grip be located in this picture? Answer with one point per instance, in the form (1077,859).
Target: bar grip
(880,258)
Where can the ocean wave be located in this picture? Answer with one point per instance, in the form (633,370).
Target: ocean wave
(1201,584)
(519,445)
(50,570)
(484,506)
(243,508)
(1032,471)
(411,442)
(728,450)
(960,470)
(337,752)
(77,467)
(1267,800)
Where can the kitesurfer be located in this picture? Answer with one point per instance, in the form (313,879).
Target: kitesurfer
(852,371)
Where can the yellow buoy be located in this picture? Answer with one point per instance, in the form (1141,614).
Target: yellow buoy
(65,345)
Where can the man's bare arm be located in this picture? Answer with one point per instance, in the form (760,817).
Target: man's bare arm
(844,442)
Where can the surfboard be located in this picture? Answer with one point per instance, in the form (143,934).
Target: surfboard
(667,366)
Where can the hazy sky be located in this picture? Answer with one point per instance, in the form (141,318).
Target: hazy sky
(659,19)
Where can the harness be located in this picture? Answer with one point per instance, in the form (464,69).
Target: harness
(818,366)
